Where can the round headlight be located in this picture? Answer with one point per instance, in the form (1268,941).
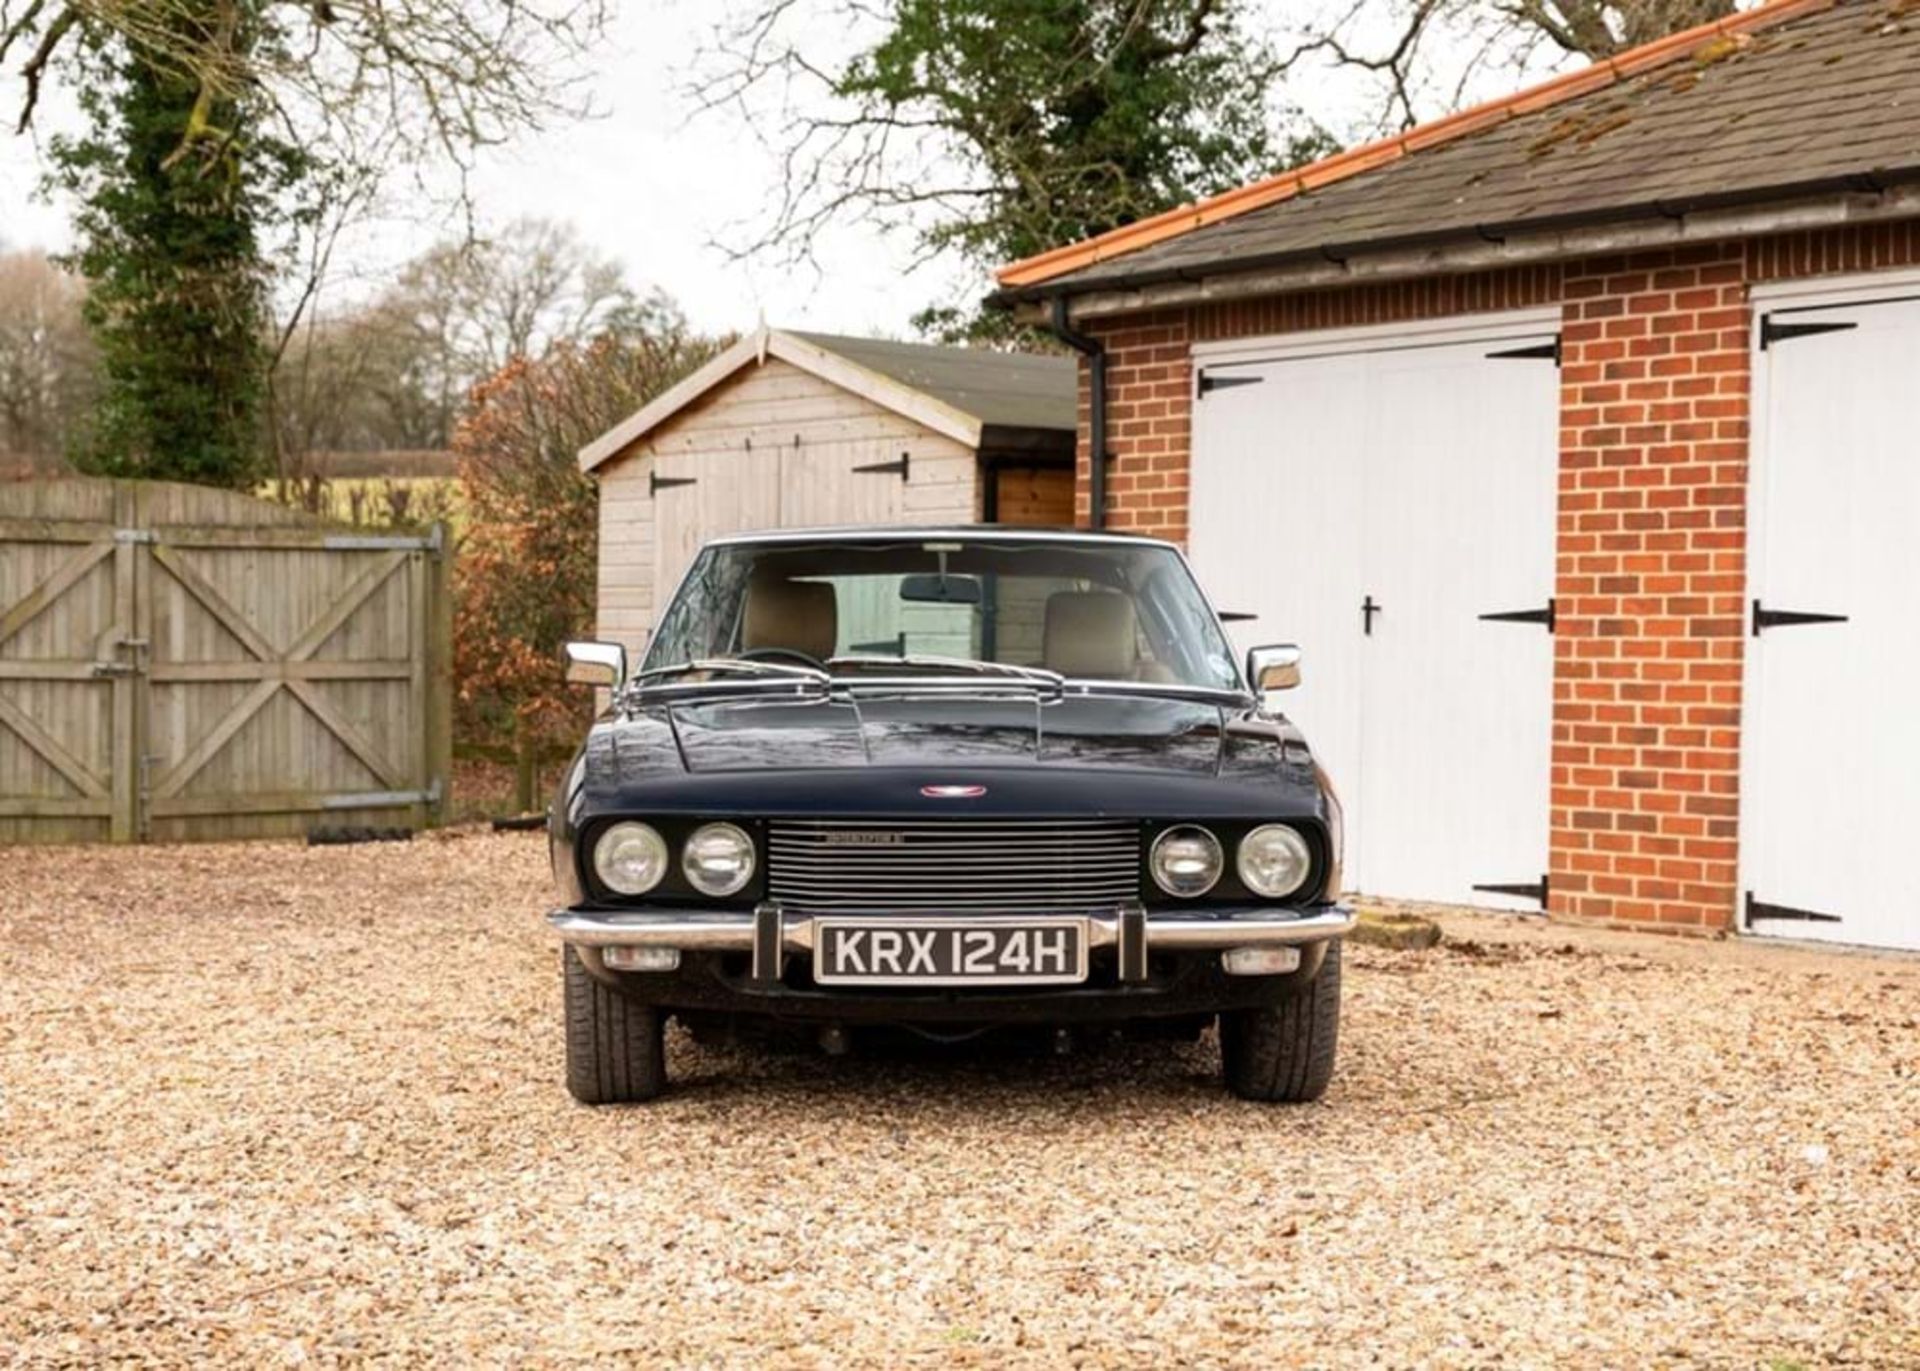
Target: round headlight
(1185,861)
(1274,860)
(718,859)
(630,858)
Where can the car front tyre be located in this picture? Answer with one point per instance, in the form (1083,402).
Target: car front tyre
(616,1048)
(1283,1052)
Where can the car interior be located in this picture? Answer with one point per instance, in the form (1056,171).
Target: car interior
(1087,634)
(1108,612)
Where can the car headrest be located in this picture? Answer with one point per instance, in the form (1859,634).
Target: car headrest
(1090,633)
(802,616)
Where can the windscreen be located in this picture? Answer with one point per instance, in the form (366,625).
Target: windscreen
(1094,610)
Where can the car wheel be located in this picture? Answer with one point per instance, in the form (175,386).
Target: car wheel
(1283,1052)
(616,1047)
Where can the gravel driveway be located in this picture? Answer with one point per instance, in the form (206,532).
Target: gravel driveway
(270,1104)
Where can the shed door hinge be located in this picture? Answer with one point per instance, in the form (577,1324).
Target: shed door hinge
(1543,617)
(657,483)
(1524,891)
(1210,382)
(1759,909)
(1543,352)
(1773,331)
(1764,618)
(902,467)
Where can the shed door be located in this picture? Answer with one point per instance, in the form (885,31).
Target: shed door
(701,496)
(1374,506)
(697,496)
(1832,743)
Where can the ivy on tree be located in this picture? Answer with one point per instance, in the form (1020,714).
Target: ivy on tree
(174,192)
(224,132)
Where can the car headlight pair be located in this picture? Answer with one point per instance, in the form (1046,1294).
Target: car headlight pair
(1273,860)
(631,858)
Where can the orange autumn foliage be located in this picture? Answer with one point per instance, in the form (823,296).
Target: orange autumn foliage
(524,580)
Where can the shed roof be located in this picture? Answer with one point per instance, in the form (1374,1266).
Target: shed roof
(1000,389)
(1792,98)
(960,392)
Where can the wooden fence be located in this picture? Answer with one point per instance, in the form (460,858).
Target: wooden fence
(182,663)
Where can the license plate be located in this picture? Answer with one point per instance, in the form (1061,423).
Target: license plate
(949,952)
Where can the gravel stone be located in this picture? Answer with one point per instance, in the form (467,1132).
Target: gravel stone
(273,1105)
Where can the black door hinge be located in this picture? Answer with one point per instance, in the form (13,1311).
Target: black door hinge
(1523,616)
(1235,616)
(657,483)
(1772,331)
(1757,909)
(1786,618)
(1368,608)
(1210,383)
(1536,891)
(902,467)
(1543,352)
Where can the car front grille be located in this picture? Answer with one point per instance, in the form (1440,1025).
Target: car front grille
(849,866)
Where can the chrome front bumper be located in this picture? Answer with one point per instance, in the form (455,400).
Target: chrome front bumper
(769,932)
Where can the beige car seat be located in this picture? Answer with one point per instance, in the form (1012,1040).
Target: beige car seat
(1093,634)
(800,616)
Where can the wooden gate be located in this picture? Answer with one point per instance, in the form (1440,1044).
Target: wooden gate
(183,663)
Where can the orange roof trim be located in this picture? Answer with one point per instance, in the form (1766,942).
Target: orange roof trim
(1175,222)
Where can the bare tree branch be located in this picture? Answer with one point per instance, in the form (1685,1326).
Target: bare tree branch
(441,77)
(1426,55)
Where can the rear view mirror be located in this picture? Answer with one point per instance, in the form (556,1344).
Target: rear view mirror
(940,590)
(1274,668)
(597,664)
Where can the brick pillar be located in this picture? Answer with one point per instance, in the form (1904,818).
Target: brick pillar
(1149,420)
(1650,586)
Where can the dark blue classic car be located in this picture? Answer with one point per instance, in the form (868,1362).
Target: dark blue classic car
(946,780)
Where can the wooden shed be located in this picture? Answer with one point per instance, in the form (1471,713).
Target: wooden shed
(796,430)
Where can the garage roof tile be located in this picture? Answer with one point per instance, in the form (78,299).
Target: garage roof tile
(1797,96)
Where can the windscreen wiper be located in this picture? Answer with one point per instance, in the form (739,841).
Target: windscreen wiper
(1037,674)
(1161,690)
(736,666)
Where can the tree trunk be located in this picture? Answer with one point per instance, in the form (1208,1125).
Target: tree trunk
(525,770)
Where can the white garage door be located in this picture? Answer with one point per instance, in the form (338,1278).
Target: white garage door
(1831,788)
(1388,502)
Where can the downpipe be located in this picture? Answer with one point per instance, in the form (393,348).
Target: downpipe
(1096,354)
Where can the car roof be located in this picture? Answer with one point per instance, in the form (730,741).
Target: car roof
(972,532)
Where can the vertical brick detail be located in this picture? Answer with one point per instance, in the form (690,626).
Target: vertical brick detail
(1650,577)
(1433,297)
(1824,252)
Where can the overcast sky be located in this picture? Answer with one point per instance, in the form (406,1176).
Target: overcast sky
(643,185)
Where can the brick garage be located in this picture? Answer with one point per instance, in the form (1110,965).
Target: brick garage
(1660,328)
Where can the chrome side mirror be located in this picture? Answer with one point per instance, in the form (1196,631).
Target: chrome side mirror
(1274,668)
(597,664)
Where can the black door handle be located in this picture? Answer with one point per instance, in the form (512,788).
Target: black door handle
(1787,618)
(1367,610)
